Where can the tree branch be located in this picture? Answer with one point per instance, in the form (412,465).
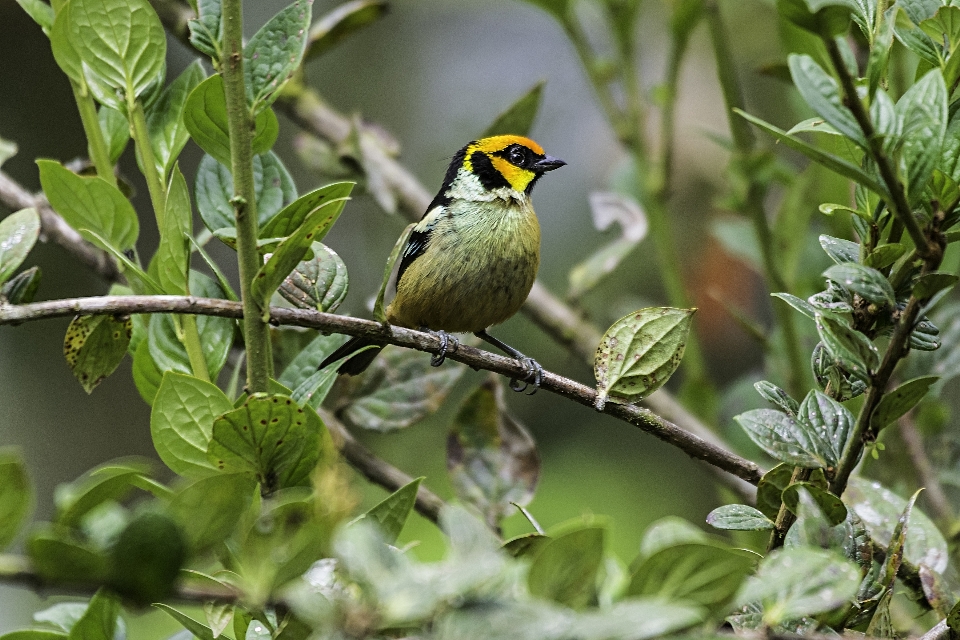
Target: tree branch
(639,417)
(377,470)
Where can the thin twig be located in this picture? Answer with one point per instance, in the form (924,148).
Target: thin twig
(639,417)
(926,474)
(377,470)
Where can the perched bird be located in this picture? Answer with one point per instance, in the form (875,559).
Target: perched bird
(471,260)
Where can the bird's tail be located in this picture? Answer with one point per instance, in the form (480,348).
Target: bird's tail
(358,363)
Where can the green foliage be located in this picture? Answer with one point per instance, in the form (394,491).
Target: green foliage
(16,495)
(274,54)
(94,347)
(18,233)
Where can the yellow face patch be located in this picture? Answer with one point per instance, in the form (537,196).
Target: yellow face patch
(517,177)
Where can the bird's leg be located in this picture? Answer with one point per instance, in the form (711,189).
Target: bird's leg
(447,343)
(534,375)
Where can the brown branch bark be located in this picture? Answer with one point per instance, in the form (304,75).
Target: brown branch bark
(639,417)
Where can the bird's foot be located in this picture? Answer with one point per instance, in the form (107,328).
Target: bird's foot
(532,378)
(448,344)
(533,372)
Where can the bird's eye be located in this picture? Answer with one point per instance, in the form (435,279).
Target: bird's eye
(518,156)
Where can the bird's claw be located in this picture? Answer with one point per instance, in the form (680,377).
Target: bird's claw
(532,378)
(447,344)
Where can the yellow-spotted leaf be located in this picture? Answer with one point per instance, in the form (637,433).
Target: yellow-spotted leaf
(95,345)
(639,353)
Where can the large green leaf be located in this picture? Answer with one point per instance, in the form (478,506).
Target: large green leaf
(272,184)
(896,403)
(292,250)
(99,621)
(640,352)
(181,422)
(172,260)
(274,54)
(205,117)
(830,423)
(922,114)
(16,495)
(822,93)
(18,233)
(90,203)
(704,573)
(270,437)
(293,215)
(518,117)
(786,438)
(565,569)
(392,512)
(333,27)
(122,45)
(317,283)
(209,509)
(739,517)
(880,509)
(167,130)
(398,389)
(868,283)
(801,581)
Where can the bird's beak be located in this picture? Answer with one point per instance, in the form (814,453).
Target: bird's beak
(548,164)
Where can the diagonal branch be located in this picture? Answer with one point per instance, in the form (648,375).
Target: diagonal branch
(639,417)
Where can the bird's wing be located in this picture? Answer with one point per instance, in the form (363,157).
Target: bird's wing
(418,240)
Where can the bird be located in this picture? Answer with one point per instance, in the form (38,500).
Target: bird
(471,260)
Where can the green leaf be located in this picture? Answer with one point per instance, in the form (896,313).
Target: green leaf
(291,251)
(922,114)
(257,631)
(785,438)
(16,495)
(308,359)
(559,9)
(884,255)
(317,283)
(60,559)
(94,347)
(62,615)
(172,260)
(801,581)
(99,621)
(929,284)
(739,517)
(165,123)
(116,131)
(109,481)
(898,402)
(392,512)
(637,619)
(639,353)
(834,163)
(705,573)
(209,509)
(397,390)
(66,56)
(850,349)
(214,189)
(822,93)
(18,233)
(22,288)
(492,459)
(293,215)
(770,488)
(39,11)
(274,54)
(799,304)
(518,118)
(269,436)
(565,570)
(206,30)
(881,509)
(219,616)
(868,283)
(34,634)
(205,117)
(216,334)
(146,375)
(378,311)
(840,251)
(830,505)
(181,422)
(777,396)
(668,532)
(147,557)
(824,18)
(90,203)
(336,25)
(830,424)
(198,629)
(122,45)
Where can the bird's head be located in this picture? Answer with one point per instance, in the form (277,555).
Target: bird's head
(507,161)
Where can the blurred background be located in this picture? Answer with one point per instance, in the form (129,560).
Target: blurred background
(434,74)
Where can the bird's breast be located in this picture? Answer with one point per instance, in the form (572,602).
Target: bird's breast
(477,270)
